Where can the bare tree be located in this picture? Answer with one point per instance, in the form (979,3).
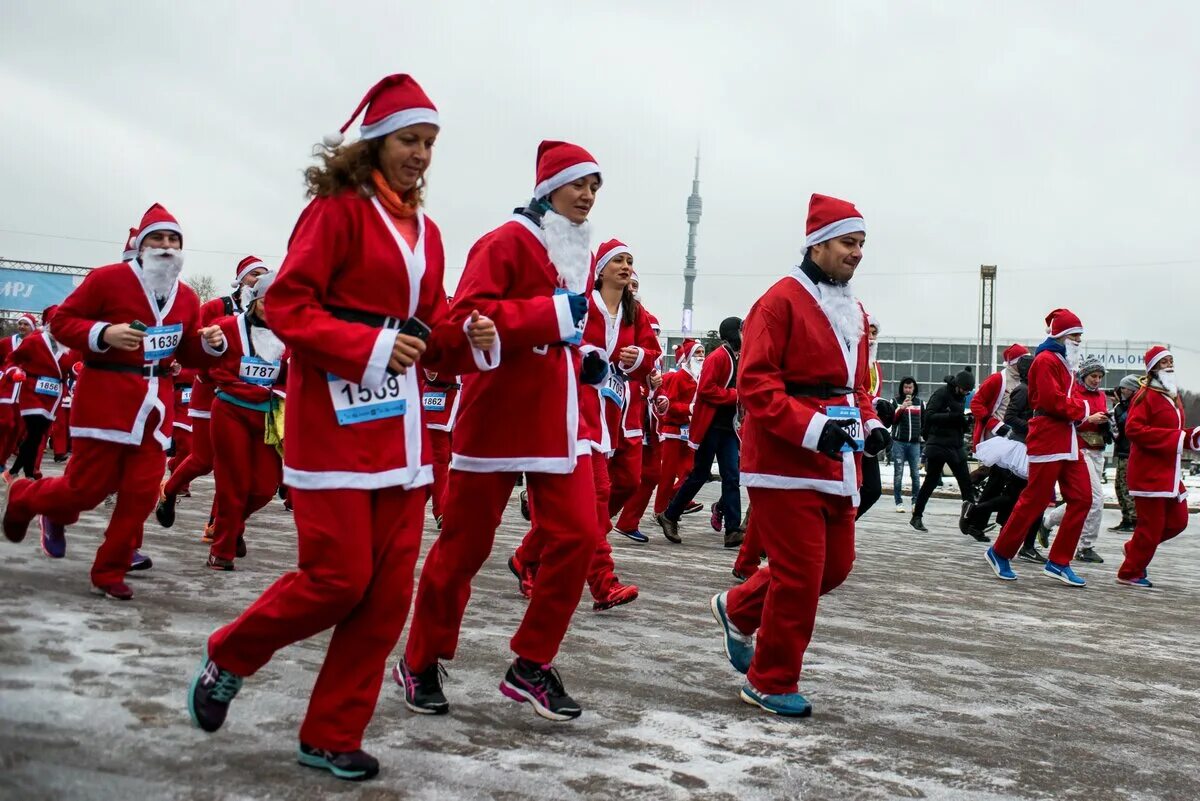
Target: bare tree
(205,286)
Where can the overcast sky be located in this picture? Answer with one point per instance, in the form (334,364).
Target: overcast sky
(1056,140)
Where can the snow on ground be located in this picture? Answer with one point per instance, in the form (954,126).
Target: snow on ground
(930,679)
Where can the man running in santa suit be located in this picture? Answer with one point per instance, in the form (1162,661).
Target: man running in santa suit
(532,276)
(803,385)
(1054,453)
(131,322)
(199,461)
(11,428)
(1157,435)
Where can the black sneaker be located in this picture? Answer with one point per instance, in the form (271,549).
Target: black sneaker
(355,766)
(1089,555)
(734,537)
(1124,525)
(422,691)
(1031,554)
(212,691)
(917,523)
(670,528)
(541,686)
(978,535)
(1043,534)
(967,508)
(165,511)
(524,498)
(241,547)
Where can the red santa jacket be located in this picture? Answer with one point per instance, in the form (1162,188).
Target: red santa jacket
(984,404)
(714,389)
(1090,436)
(1054,398)
(118,390)
(72,375)
(203,390)
(439,400)
(244,375)
(349,282)
(603,407)
(10,390)
(524,415)
(184,382)
(679,388)
(47,370)
(789,342)
(1157,436)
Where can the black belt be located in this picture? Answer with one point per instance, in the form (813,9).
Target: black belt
(439,385)
(824,391)
(144,370)
(183,386)
(366,318)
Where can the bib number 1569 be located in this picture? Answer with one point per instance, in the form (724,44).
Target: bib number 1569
(354,403)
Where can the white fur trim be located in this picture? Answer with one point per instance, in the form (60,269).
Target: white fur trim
(210,350)
(566,325)
(249,268)
(94,342)
(609,257)
(158,226)
(485,360)
(850,225)
(199,413)
(1157,359)
(826,486)
(184,426)
(375,374)
(641,356)
(564,177)
(404,477)
(394,122)
(512,464)
(874,424)
(812,434)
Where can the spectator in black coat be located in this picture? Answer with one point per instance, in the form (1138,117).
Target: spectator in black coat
(945,426)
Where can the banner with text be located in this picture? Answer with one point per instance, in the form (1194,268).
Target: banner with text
(25,290)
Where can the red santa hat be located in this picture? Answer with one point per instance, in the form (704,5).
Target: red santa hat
(1155,355)
(608,251)
(873,322)
(560,163)
(685,349)
(1063,322)
(829,218)
(654,324)
(156,218)
(245,266)
(130,250)
(395,102)
(29,318)
(48,314)
(1013,352)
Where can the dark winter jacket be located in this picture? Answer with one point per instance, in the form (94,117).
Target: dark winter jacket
(907,425)
(945,417)
(1016,416)
(1121,442)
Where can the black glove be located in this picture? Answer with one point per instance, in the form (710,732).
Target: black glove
(1002,430)
(886,411)
(877,442)
(594,370)
(834,436)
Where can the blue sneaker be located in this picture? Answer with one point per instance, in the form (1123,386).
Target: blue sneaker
(1000,566)
(139,561)
(790,705)
(1063,573)
(1142,582)
(636,535)
(210,694)
(355,766)
(54,539)
(738,647)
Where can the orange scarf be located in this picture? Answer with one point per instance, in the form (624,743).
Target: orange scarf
(395,205)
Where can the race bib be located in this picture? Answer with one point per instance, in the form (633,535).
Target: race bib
(48,386)
(254,370)
(615,388)
(185,396)
(433,401)
(577,337)
(354,403)
(161,341)
(855,428)
(685,431)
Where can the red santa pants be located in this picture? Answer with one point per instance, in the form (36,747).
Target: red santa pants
(635,507)
(12,430)
(96,469)
(183,448)
(1158,520)
(198,463)
(439,442)
(246,470)
(601,575)
(677,459)
(357,551)
(749,558)
(810,537)
(60,431)
(1075,483)
(474,503)
(624,473)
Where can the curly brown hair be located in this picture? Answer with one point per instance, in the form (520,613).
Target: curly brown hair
(350,167)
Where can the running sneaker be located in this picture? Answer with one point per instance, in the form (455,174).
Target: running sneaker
(241,547)
(1043,534)
(967,508)
(525,575)
(207,537)
(1000,566)
(738,576)
(670,528)
(217,563)
(354,766)
(693,507)
(717,518)
(15,528)
(54,538)
(524,498)
(8,477)
(788,705)
(917,523)
(211,693)
(900,509)
(636,535)
(734,537)
(118,590)
(1063,573)
(164,513)
(437,521)
(977,535)
(1029,553)
(1142,582)
(617,595)
(422,691)
(541,686)
(739,648)
(1088,555)
(140,561)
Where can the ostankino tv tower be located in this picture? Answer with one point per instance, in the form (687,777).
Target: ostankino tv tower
(689,271)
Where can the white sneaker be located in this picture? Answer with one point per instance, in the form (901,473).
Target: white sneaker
(900,509)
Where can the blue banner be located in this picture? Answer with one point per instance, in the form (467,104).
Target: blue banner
(25,290)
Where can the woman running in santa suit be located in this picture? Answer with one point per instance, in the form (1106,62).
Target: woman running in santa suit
(619,329)
(1157,436)
(359,302)
(47,365)
(11,428)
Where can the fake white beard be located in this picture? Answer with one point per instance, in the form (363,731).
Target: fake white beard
(1166,378)
(844,313)
(1074,353)
(693,367)
(245,296)
(268,346)
(160,269)
(570,249)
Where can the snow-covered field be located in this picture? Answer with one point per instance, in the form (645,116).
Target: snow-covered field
(929,678)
